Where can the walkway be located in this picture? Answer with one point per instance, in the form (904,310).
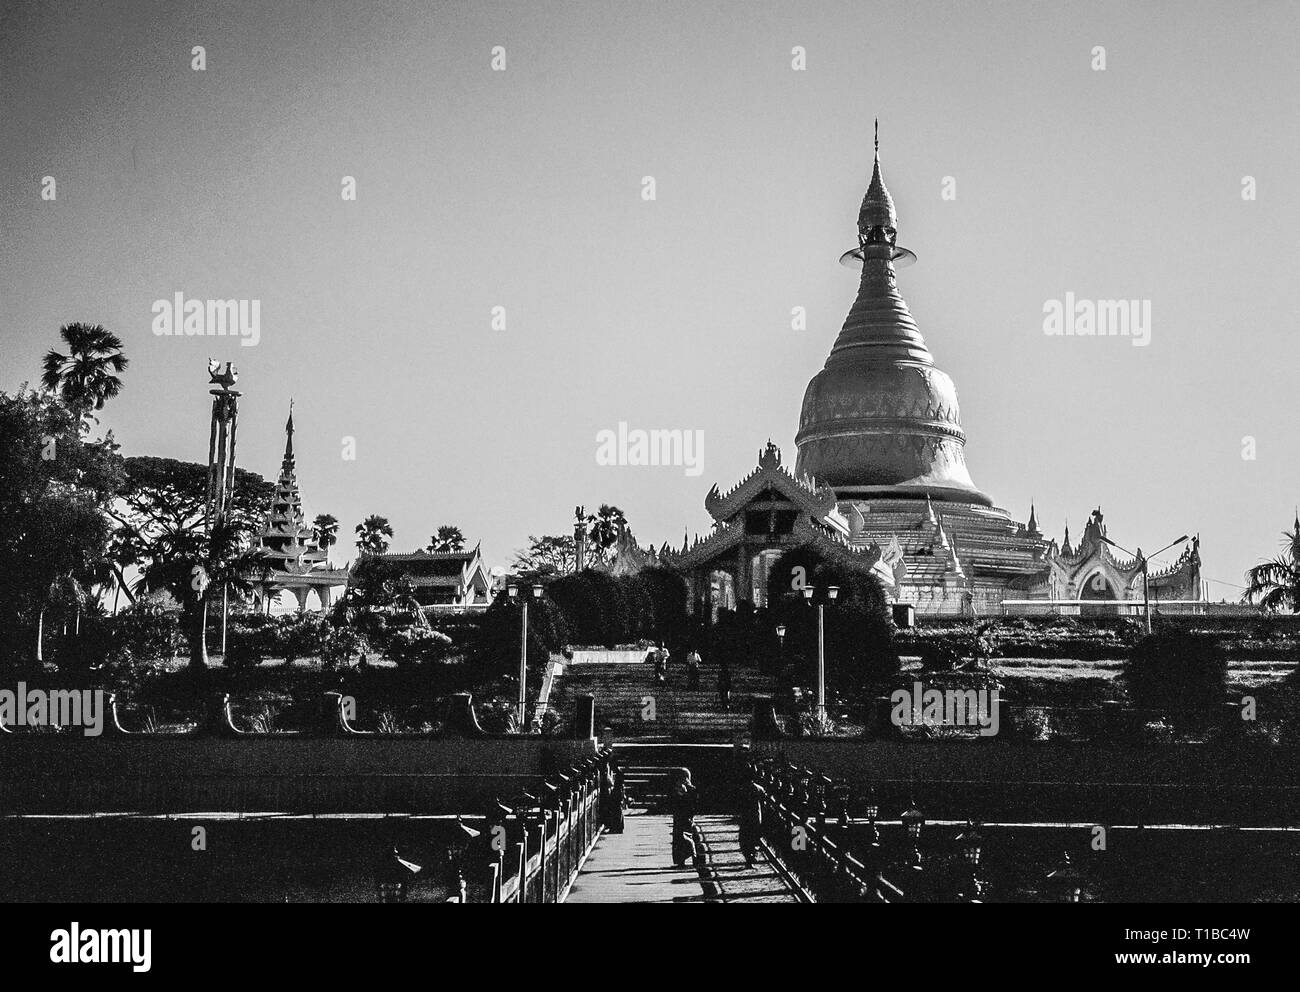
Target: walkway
(636,866)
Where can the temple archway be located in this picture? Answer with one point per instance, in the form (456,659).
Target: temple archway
(1098,587)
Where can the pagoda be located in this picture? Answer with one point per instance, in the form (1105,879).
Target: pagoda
(880,482)
(297,561)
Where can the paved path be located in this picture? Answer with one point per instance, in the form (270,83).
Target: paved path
(637,866)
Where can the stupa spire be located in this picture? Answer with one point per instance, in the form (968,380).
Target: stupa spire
(287,464)
(877,219)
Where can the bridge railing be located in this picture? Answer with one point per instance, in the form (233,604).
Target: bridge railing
(799,812)
(536,848)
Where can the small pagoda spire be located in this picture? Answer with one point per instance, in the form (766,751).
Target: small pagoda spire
(1033,519)
(287,464)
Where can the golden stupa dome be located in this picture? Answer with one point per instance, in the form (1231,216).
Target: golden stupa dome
(881,419)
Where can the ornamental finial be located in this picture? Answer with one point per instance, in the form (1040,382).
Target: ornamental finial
(877,220)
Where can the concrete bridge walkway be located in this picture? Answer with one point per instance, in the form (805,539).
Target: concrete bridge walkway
(637,866)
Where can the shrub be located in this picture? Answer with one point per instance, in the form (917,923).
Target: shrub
(497,716)
(250,639)
(344,647)
(416,645)
(302,635)
(145,632)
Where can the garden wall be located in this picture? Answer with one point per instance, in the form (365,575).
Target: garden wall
(55,773)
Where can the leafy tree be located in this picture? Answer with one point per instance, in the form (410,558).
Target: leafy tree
(545,556)
(373,534)
(1276,583)
(125,550)
(603,528)
(55,487)
(190,564)
(373,582)
(859,637)
(448,538)
(161,510)
(165,497)
(90,373)
(325,528)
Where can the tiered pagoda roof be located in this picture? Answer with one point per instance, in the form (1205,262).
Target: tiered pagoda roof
(286,537)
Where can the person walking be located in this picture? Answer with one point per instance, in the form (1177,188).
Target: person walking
(693,671)
(683,800)
(656,658)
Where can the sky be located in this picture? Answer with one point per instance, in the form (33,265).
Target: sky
(479,188)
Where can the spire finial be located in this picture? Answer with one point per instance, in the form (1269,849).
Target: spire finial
(876,218)
(288,438)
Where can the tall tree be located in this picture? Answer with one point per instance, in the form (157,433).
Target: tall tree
(448,538)
(547,555)
(55,488)
(326,530)
(195,562)
(90,373)
(373,534)
(1275,583)
(162,507)
(603,528)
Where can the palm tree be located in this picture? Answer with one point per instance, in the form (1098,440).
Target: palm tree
(326,529)
(190,563)
(373,534)
(448,538)
(1276,582)
(89,374)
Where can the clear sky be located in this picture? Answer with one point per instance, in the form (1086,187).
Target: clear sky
(523,189)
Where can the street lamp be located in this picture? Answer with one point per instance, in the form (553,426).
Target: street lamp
(513,591)
(913,820)
(1142,560)
(457,848)
(872,809)
(971,844)
(832,594)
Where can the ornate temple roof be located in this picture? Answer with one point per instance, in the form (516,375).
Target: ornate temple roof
(881,418)
(805,492)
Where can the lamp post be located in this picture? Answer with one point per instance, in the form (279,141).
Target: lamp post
(832,594)
(780,648)
(971,843)
(1142,560)
(513,591)
(872,810)
(913,820)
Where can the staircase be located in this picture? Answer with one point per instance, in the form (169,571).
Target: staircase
(630,705)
